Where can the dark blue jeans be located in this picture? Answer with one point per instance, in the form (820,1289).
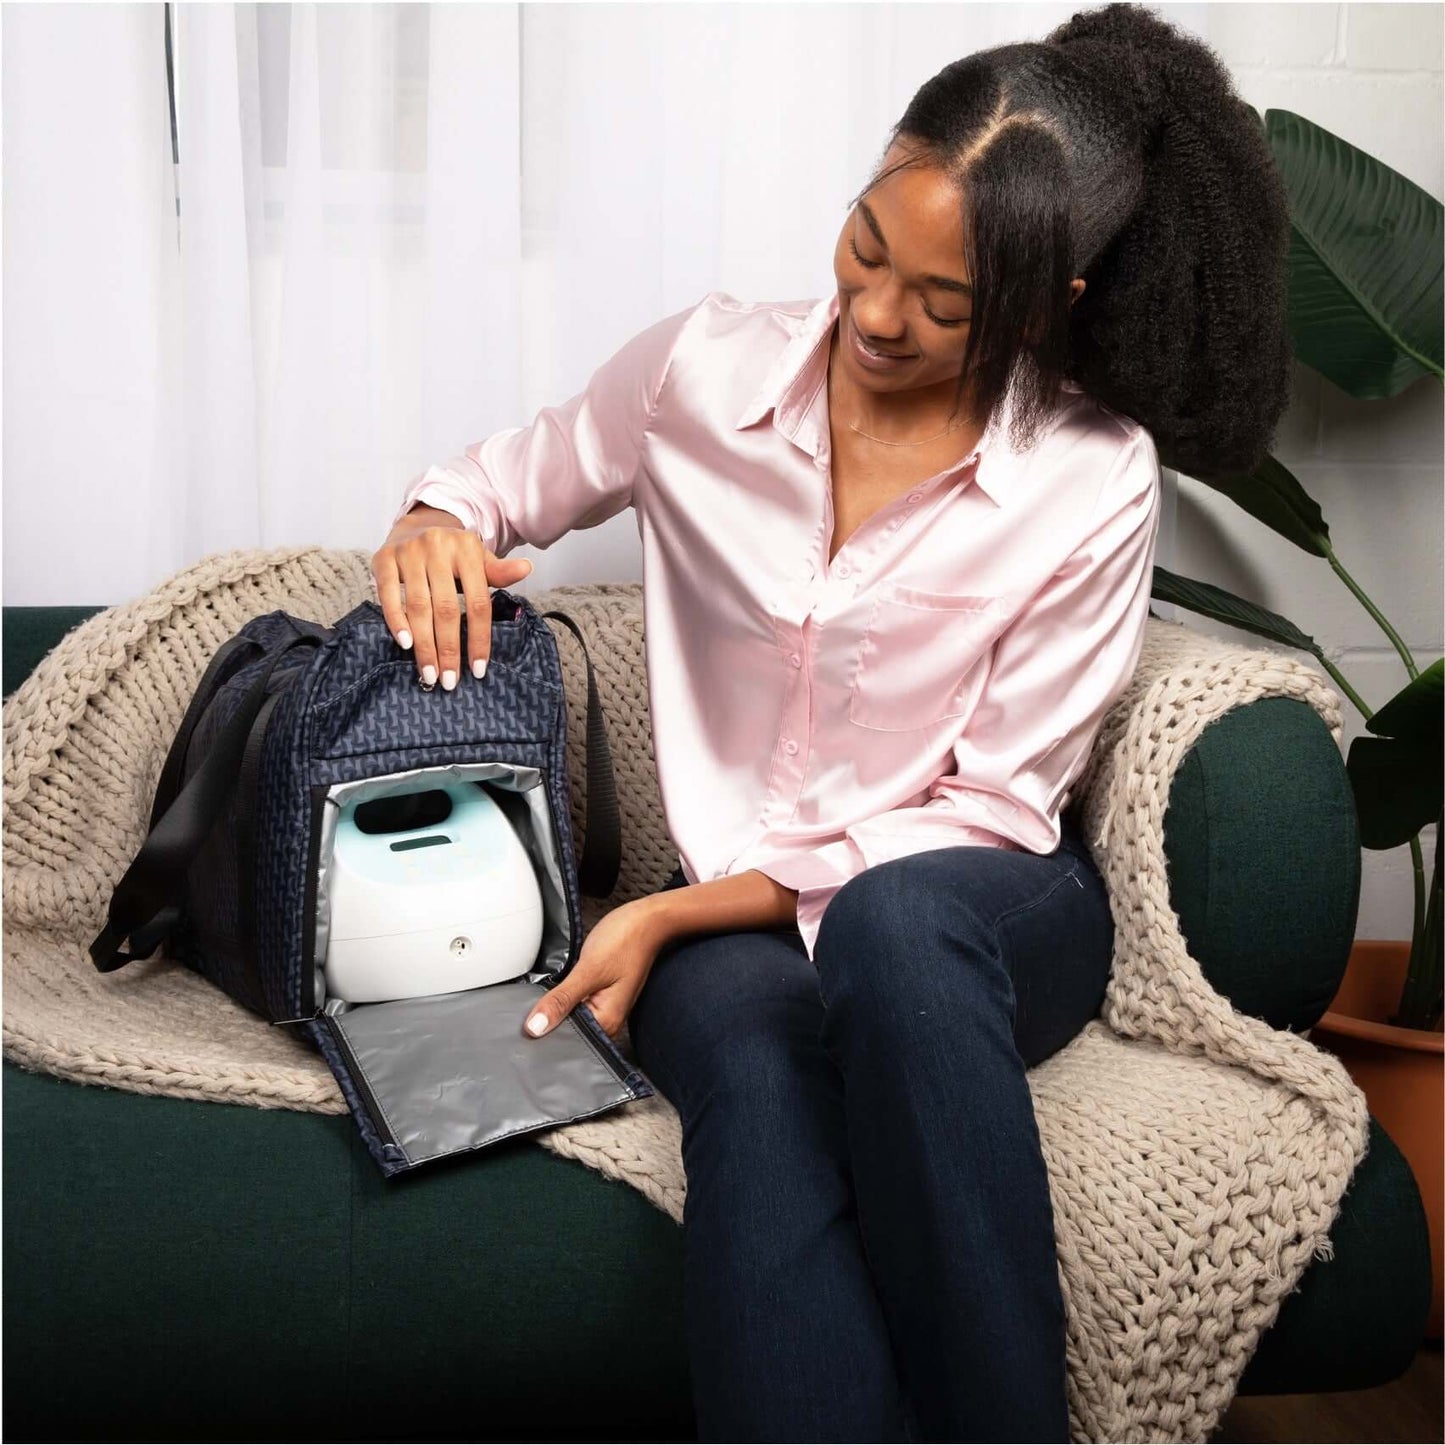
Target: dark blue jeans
(868,1234)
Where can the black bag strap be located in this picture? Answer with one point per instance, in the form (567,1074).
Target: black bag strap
(232,655)
(145,904)
(602,848)
(229,659)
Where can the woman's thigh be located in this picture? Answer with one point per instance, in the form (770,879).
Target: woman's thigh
(1039,924)
(1050,914)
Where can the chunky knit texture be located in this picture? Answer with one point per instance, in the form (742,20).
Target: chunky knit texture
(1197,1156)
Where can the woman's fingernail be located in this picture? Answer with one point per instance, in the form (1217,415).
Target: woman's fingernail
(449,679)
(403,639)
(429,676)
(479,667)
(537,1025)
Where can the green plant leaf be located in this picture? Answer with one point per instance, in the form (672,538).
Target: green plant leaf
(1365,269)
(1272,494)
(1397,787)
(1211,601)
(1417,712)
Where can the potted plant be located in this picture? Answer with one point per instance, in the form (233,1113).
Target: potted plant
(1365,311)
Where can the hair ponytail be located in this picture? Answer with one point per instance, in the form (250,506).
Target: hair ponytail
(1118,150)
(1183,321)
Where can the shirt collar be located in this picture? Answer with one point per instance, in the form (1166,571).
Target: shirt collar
(791,389)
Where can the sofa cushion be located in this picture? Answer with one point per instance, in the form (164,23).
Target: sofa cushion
(164,1256)
(207,1271)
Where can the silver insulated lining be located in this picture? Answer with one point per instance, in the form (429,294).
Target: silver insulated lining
(455,1071)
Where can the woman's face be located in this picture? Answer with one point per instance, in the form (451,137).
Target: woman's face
(904,303)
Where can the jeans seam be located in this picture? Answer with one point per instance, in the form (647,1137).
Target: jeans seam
(1022,908)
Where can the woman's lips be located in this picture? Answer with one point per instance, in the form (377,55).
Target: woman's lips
(873,360)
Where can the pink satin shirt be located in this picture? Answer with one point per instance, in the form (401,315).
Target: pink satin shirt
(939,683)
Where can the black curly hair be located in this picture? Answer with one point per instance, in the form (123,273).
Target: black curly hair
(1117,150)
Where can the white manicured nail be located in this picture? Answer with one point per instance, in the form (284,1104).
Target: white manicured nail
(429,675)
(403,639)
(449,679)
(536,1024)
(479,667)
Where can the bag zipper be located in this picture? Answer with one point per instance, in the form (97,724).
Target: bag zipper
(358,1077)
(608,1062)
(307,981)
(573,926)
(247,802)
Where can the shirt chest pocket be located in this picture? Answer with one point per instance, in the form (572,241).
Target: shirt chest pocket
(916,653)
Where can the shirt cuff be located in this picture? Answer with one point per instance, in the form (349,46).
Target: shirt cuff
(434,489)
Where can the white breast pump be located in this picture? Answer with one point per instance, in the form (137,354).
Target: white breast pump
(431,892)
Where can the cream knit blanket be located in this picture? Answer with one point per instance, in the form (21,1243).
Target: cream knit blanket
(1197,1157)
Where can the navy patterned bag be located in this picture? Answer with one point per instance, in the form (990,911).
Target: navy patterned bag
(291,722)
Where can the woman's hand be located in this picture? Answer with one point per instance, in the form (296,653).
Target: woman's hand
(428,553)
(616,957)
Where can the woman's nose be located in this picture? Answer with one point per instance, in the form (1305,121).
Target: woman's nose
(878,319)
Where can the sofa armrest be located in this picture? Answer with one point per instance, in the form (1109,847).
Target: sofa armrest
(1263,851)
(30,632)
(1227,759)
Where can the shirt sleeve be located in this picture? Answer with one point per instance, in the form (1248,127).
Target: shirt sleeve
(1057,670)
(572,468)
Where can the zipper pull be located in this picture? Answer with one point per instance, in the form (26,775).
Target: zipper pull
(307,1019)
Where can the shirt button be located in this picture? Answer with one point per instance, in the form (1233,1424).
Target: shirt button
(845,570)
(915,496)
(796,660)
(790,746)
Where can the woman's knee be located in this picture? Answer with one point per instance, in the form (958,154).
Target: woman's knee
(896,934)
(967,936)
(971,934)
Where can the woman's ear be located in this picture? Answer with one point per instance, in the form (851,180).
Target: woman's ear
(1076,289)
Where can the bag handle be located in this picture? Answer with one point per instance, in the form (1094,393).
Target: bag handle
(602,848)
(145,904)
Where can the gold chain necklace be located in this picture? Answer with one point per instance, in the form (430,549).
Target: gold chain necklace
(952,427)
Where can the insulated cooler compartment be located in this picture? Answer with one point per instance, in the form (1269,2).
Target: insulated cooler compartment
(445,1072)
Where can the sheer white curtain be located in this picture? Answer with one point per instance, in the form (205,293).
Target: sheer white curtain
(401,227)
(344,299)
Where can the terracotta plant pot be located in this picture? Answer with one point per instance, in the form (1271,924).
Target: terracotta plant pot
(1400,1071)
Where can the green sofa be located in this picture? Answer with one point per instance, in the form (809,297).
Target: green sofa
(178,1270)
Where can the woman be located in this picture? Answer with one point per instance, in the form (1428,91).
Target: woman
(897,560)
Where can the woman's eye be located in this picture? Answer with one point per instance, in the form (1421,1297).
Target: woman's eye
(871,265)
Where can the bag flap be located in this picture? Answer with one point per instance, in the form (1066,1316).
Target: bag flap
(450,1073)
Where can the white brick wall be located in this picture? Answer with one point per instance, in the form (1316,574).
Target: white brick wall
(1394,37)
(1275,35)
(1371,74)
